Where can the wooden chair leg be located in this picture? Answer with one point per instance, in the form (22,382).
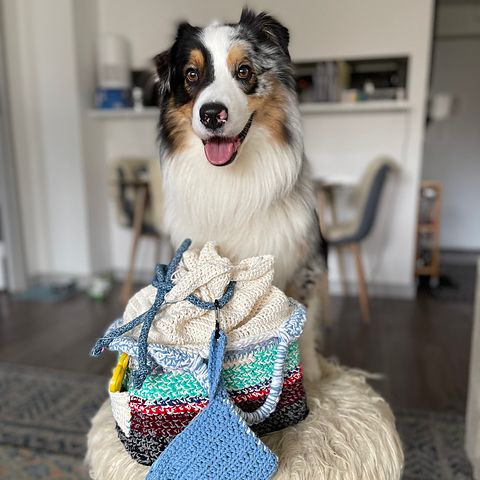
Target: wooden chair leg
(362,284)
(138,216)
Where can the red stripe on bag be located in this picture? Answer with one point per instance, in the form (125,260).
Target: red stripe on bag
(140,405)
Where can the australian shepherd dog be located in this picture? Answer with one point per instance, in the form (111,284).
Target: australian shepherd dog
(232,155)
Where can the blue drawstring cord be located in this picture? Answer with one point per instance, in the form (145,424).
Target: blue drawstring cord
(163,282)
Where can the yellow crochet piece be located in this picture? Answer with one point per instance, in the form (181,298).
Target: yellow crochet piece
(118,374)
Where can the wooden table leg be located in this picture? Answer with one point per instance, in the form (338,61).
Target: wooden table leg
(138,216)
(326,197)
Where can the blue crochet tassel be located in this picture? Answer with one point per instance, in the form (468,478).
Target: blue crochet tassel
(217,444)
(163,282)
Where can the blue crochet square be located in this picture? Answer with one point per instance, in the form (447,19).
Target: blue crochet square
(217,444)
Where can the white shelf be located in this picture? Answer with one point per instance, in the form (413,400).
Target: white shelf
(367,106)
(121,113)
(305,108)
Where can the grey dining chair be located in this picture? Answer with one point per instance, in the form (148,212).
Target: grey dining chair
(350,234)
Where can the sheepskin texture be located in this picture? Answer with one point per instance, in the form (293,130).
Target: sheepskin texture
(349,435)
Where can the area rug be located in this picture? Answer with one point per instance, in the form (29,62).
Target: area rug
(434,445)
(25,464)
(45,415)
(48,410)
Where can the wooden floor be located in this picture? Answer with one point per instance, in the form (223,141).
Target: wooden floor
(422,347)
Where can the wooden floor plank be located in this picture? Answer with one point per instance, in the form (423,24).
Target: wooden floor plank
(421,347)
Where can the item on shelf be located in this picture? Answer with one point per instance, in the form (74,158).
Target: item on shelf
(146,80)
(113,73)
(112,98)
(349,96)
(329,80)
(137,97)
(343,78)
(428,231)
(385,74)
(352,80)
(320,83)
(425,245)
(428,198)
(304,82)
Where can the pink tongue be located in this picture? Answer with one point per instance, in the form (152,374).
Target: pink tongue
(219,153)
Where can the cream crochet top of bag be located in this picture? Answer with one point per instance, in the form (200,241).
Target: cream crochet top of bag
(255,312)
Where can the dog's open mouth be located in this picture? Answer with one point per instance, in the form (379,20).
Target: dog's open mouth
(221,151)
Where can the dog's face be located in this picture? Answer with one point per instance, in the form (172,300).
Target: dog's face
(221,81)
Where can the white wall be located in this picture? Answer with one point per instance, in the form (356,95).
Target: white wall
(48,136)
(452,146)
(123,139)
(93,148)
(458,20)
(335,143)
(319,28)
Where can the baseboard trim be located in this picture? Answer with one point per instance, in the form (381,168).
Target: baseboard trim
(144,277)
(81,281)
(381,290)
(459,257)
(139,276)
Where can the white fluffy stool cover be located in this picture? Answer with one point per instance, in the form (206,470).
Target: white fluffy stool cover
(349,435)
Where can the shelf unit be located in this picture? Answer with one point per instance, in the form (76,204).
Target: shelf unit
(305,108)
(427,261)
(123,113)
(355,107)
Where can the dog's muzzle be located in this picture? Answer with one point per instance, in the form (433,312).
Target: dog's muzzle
(221,151)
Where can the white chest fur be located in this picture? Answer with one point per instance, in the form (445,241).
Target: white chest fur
(249,208)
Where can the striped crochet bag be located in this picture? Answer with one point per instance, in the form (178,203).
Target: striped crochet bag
(165,331)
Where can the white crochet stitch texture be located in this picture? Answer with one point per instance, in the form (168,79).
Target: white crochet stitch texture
(255,312)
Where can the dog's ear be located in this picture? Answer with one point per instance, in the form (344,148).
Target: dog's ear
(185,29)
(162,63)
(165,61)
(267,26)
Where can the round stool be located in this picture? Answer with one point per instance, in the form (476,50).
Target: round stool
(349,434)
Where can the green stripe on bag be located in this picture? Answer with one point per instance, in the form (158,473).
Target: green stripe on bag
(247,373)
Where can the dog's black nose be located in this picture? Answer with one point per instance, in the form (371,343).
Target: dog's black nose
(213,115)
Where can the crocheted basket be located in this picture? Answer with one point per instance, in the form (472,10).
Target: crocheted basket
(262,372)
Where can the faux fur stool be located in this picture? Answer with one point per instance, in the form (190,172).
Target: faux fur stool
(349,435)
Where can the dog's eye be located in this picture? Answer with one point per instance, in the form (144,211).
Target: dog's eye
(191,75)
(244,72)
